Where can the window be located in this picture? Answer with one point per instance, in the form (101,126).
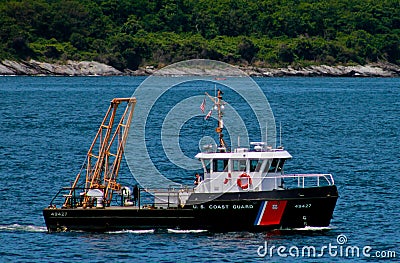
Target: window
(274,163)
(206,165)
(277,165)
(220,165)
(239,165)
(280,166)
(255,165)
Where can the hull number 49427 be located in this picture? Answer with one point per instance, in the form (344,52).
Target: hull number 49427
(302,206)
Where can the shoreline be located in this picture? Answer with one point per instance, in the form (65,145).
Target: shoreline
(93,68)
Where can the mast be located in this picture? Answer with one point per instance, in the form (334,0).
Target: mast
(104,173)
(219,106)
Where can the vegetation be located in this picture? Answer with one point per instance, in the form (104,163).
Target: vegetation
(128,34)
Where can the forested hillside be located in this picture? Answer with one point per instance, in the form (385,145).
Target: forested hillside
(132,33)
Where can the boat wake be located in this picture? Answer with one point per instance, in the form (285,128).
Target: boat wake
(22,228)
(178,231)
(313,228)
(149,231)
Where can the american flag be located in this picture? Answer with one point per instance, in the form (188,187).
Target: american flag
(208,115)
(203,105)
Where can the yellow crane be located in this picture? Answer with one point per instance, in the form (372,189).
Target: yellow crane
(105,154)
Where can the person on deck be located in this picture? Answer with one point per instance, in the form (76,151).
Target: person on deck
(136,193)
(198,179)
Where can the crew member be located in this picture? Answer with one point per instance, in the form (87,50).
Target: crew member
(198,179)
(136,193)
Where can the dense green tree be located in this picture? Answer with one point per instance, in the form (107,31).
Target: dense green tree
(247,50)
(127,34)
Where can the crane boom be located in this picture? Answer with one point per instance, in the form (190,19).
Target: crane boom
(104,157)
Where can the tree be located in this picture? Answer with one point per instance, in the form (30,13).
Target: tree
(285,54)
(247,49)
(131,33)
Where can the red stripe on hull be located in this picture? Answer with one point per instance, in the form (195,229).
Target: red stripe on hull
(273,213)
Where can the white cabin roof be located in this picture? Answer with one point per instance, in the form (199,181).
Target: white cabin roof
(271,154)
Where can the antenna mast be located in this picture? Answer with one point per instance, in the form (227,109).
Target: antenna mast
(280,134)
(219,106)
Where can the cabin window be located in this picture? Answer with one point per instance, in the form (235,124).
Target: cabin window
(273,165)
(220,165)
(239,165)
(280,165)
(206,165)
(276,165)
(255,165)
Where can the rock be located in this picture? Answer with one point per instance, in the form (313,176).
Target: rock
(93,68)
(18,68)
(370,70)
(5,70)
(70,68)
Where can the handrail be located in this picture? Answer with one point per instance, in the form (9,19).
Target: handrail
(330,182)
(167,190)
(169,197)
(204,185)
(301,179)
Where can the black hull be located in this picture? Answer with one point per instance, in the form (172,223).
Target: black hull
(250,211)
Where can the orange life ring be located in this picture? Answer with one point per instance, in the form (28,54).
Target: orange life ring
(246,185)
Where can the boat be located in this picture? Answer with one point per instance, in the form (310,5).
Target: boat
(241,189)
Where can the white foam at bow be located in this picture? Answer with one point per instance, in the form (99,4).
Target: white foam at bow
(177,231)
(149,231)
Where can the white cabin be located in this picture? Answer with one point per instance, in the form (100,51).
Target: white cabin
(242,170)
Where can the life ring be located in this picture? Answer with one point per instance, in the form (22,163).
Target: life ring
(246,185)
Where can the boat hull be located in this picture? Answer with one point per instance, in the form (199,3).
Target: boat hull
(245,211)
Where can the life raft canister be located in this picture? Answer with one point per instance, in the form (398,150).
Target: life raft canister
(240,183)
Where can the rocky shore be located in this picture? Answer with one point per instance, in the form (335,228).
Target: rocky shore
(92,68)
(370,70)
(70,68)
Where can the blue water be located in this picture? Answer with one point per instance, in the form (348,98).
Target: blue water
(345,126)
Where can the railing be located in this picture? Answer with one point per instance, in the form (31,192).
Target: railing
(165,197)
(75,197)
(172,197)
(302,177)
(146,198)
(72,194)
(267,182)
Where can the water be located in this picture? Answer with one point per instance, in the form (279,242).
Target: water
(345,126)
